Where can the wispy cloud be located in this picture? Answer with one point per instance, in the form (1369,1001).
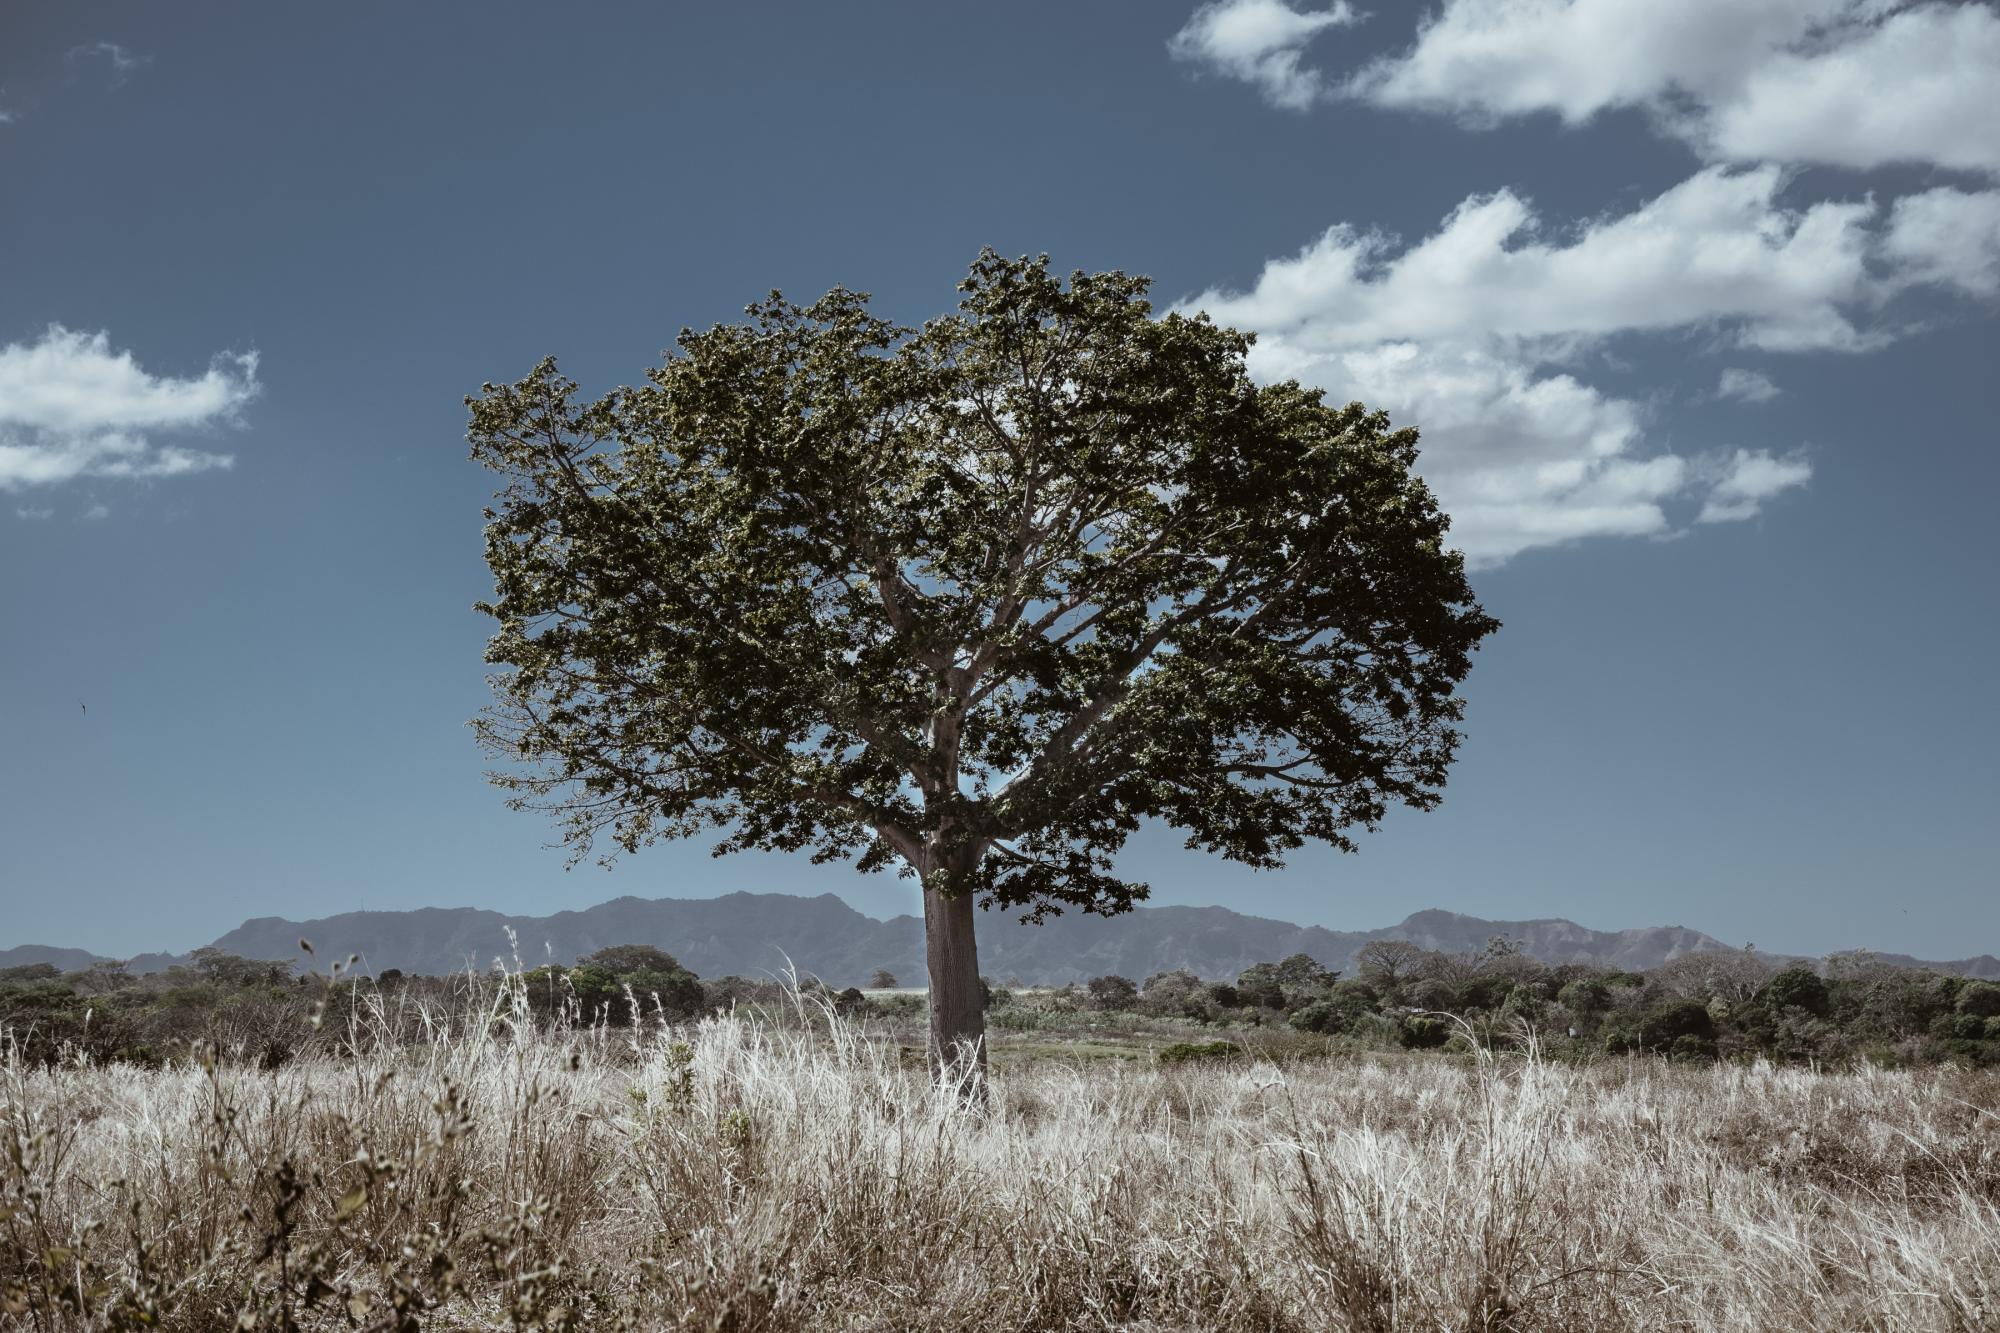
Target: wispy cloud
(97,511)
(33,515)
(71,406)
(119,60)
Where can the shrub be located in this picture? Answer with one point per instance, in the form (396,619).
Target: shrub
(1421,1032)
(1259,986)
(1586,995)
(1322,1016)
(1979,997)
(1798,987)
(604,985)
(1431,993)
(1346,1004)
(1112,992)
(1187,1052)
(1665,1023)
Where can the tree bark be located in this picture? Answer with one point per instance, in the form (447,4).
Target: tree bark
(958,1007)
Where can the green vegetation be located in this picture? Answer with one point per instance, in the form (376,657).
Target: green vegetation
(973,600)
(1729,1006)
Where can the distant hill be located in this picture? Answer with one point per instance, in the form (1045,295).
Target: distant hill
(26,955)
(752,934)
(757,934)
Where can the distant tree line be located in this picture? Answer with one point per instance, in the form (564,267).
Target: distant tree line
(1717,1005)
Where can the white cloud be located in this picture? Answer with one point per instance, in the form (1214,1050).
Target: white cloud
(97,511)
(34,515)
(1742,482)
(1488,59)
(1747,385)
(1717,250)
(1948,237)
(1482,332)
(1917,86)
(1478,334)
(1261,42)
(72,407)
(1852,83)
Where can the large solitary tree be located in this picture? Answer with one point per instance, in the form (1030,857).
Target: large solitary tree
(971,601)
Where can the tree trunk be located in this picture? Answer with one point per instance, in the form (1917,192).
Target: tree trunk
(958,1007)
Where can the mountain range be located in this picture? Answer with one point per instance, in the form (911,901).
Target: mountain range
(760,934)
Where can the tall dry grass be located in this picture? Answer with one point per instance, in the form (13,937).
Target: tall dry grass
(745,1176)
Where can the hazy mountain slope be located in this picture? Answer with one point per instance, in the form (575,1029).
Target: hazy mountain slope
(759,934)
(756,934)
(1553,940)
(24,955)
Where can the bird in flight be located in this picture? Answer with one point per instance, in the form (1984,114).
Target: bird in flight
(84,706)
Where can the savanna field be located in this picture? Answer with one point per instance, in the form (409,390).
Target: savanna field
(792,1167)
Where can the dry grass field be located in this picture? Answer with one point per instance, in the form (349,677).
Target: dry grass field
(748,1175)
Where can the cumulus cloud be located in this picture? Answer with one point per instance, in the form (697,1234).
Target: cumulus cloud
(1948,237)
(1746,385)
(72,407)
(1261,42)
(1716,250)
(1852,83)
(1478,334)
(1485,332)
(1914,86)
(33,515)
(97,511)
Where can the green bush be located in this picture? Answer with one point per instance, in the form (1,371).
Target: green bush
(1585,996)
(1259,986)
(1185,1052)
(1112,992)
(1979,997)
(1798,987)
(1691,1049)
(1421,1032)
(605,985)
(1667,1022)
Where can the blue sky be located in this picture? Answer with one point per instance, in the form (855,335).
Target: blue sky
(1694,305)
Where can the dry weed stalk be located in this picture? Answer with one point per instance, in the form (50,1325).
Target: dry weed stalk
(749,1176)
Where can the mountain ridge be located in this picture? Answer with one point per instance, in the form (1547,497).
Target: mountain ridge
(760,934)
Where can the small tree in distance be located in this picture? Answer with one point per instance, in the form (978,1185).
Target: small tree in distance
(972,601)
(1112,992)
(1388,963)
(883,979)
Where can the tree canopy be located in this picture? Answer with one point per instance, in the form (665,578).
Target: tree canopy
(973,599)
